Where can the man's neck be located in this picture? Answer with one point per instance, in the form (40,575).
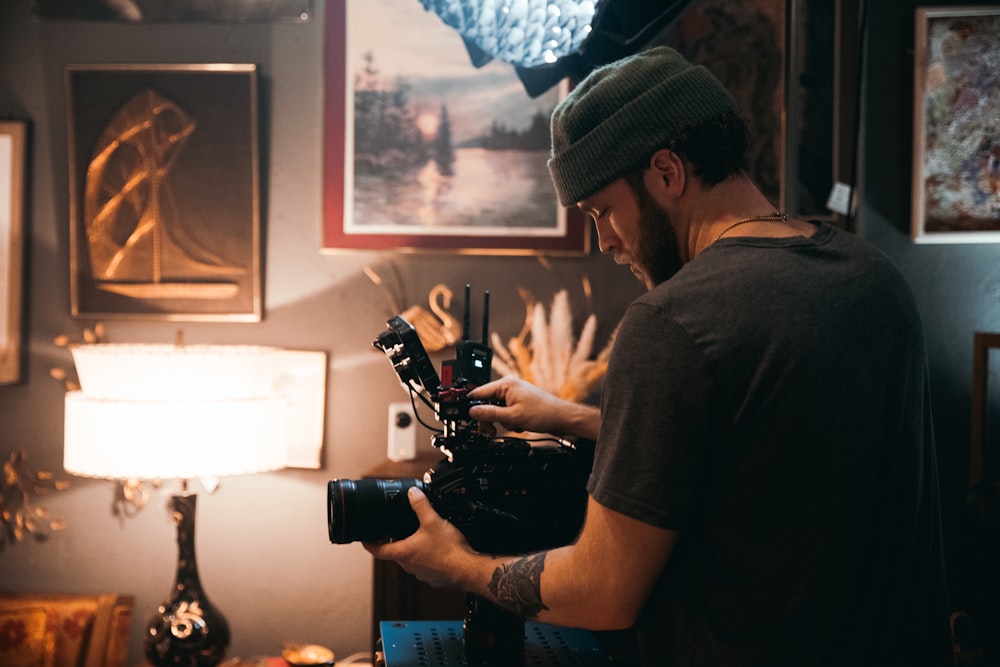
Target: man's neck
(714,209)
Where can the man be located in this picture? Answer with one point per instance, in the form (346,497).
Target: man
(764,487)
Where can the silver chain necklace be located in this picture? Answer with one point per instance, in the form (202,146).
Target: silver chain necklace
(770,217)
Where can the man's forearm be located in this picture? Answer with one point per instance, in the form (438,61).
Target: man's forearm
(599,582)
(581,421)
(517,585)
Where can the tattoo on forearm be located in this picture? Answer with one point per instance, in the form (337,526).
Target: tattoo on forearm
(518,585)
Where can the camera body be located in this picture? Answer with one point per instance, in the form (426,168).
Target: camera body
(506,495)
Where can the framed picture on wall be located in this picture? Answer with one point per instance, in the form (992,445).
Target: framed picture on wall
(956,138)
(743,43)
(983,468)
(13,155)
(164,203)
(174,11)
(425,152)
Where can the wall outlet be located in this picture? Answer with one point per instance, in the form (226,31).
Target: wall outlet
(402,432)
(840,199)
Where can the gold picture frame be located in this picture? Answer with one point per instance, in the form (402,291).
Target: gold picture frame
(13,155)
(164,192)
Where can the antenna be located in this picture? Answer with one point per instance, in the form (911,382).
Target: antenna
(473,363)
(486,316)
(465,315)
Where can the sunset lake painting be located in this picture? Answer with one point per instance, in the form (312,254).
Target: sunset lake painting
(435,146)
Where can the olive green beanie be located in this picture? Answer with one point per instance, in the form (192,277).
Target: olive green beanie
(622,112)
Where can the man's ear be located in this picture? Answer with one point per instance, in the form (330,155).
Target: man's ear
(661,159)
(667,170)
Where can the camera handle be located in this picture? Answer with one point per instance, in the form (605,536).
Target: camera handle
(492,635)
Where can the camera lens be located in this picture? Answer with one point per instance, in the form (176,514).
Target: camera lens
(370,510)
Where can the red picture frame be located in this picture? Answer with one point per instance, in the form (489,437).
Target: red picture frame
(570,236)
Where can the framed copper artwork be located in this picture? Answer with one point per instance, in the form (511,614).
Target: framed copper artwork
(423,151)
(164,192)
(13,140)
(956,145)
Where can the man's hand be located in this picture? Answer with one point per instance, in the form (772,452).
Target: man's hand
(599,582)
(529,408)
(434,552)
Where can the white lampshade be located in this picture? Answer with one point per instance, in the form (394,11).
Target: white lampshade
(156,371)
(166,411)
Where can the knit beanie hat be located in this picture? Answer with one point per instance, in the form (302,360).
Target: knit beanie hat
(622,112)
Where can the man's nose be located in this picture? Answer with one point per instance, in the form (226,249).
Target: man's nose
(606,240)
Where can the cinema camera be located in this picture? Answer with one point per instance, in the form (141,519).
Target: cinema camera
(506,495)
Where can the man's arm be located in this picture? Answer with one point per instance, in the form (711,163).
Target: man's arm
(529,408)
(517,585)
(600,582)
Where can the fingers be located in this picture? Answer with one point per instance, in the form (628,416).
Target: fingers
(484,413)
(504,390)
(489,390)
(420,503)
(421,507)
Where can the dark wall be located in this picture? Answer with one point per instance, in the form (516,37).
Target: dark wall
(957,287)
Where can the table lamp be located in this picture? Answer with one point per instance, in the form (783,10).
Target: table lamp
(161,412)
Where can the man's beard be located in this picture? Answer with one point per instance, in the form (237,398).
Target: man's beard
(657,256)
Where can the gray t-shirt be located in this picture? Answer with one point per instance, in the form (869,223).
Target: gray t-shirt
(770,403)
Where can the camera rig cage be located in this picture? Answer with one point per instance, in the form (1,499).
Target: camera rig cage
(446,394)
(506,494)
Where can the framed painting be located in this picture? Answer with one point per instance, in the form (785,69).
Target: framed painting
(13,156)
(743,43)
(425,152)
(984,410)
(956,138)
(164,203)
(175,11)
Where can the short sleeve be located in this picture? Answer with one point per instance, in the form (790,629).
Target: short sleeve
(654,421)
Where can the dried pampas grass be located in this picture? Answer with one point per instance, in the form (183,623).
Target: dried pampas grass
(547,354)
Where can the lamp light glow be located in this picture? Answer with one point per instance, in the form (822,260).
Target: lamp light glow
(176,439)
(174,412)
(159,412)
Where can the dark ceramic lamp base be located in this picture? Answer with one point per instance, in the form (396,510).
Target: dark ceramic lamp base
(187,631)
